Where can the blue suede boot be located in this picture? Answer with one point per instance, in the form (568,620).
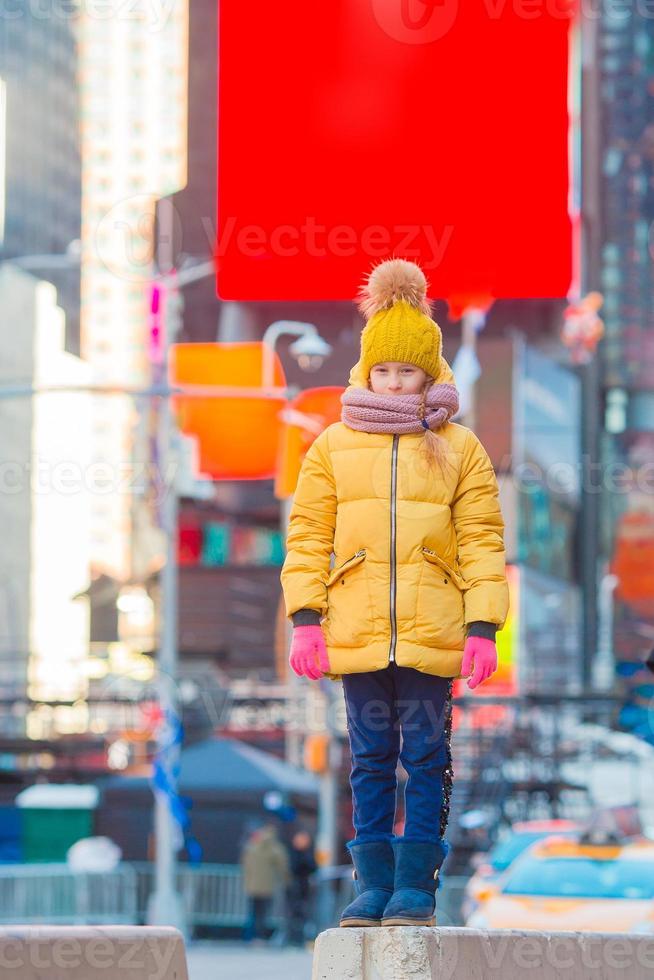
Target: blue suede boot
(373,873)
(416,868)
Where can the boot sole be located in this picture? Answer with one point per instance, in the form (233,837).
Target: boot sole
(406,921)
(360,923)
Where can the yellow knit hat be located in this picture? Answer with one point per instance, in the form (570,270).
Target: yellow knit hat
(399,328)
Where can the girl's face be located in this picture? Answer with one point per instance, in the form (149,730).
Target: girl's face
(396,378)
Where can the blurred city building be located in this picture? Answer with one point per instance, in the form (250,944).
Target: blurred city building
(40,188)
(133,103)
(45,503)
(533,438)
(626,77)
(186,220)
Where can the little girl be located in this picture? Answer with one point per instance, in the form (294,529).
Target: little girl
(407,501)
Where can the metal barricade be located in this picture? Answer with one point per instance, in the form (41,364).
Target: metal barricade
(52,893)
(213,896)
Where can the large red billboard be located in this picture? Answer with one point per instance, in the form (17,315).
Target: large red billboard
(353,130)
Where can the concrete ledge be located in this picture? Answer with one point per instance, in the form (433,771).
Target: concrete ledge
(408,953)
(92,953)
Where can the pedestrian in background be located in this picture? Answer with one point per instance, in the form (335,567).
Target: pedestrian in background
(408,503)
(265,868)
(302,867)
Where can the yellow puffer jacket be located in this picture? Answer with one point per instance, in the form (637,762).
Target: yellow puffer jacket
(417,554)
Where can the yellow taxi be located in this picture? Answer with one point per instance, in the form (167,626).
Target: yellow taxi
(489,867)
(588,884)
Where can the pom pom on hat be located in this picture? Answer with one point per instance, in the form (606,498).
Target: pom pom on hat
(391,281)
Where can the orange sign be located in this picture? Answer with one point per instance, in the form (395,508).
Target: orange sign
(238,434)
(304,418)
(632,561)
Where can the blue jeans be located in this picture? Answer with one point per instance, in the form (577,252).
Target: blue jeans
(380,704)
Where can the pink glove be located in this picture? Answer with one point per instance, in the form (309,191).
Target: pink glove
(308,645)
(484,654)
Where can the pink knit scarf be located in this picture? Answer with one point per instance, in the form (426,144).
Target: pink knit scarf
(368,412)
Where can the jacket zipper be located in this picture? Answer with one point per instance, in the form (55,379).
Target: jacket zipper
(391,652)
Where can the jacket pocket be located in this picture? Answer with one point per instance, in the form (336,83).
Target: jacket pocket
(440,619)
(348,620)
(435,559)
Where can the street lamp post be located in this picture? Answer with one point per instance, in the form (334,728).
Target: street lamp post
(603,666)
(591,374)
(165,906)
